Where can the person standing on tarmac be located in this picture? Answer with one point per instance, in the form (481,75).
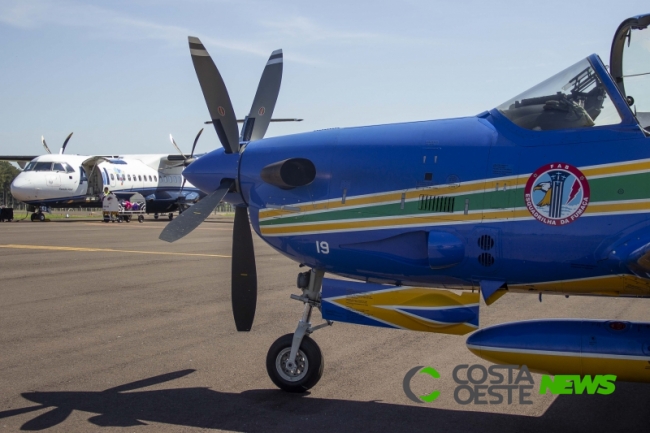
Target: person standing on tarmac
(110,206)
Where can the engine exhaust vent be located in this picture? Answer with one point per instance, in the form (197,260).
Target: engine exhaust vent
(290,173)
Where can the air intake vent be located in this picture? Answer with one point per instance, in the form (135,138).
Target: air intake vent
(433,203)
(486,259)
(486,242)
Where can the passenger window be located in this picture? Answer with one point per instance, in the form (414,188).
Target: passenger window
(150,179)
(112,177)
(128,177)
(155,178)
(140,178)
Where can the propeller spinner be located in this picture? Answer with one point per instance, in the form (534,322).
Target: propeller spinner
(244,272)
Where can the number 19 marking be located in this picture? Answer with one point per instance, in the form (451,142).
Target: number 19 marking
(322,247)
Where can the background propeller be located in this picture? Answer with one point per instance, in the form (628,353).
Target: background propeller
(244,271)
(47,149)
(186,161)
(65,143)
(62,150)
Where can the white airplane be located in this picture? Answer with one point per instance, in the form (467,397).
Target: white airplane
(73,180)
(68,181)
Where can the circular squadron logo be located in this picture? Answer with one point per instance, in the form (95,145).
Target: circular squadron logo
(557,194)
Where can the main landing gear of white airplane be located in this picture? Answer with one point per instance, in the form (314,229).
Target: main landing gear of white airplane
(294,361)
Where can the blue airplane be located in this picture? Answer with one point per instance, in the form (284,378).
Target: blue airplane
(547,193)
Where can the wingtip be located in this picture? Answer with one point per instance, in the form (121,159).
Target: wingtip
(194,40)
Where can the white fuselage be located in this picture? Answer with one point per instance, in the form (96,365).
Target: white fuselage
(60,180)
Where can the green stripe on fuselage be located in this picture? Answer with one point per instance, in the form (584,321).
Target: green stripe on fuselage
(607,189)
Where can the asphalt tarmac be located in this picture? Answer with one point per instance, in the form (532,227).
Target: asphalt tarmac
(105,328)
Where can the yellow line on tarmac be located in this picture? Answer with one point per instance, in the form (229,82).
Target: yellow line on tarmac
(103,250)
(151,227)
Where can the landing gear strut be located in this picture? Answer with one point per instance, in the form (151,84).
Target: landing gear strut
(294,361)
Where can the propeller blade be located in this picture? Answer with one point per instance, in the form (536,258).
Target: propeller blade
(244,272)
(216,96)
(258,119)
(176,146)
(65,143)
(195,141)
(186,222)
(47,149)
(182,186)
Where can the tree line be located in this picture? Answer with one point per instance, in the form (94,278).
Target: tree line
(7,174)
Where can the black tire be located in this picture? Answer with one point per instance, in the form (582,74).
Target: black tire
(155,216)
(41,217)
(312,359)
(140,218)
(33,217)
(171,216)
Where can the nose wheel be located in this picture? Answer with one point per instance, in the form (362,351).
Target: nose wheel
(306,369)
(294,361)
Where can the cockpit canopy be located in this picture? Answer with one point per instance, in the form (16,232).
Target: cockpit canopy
(574,98)
(60,167)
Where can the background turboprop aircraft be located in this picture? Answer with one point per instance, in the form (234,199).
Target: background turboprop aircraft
(74,180)
(61,180)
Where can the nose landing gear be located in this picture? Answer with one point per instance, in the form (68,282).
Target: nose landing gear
(295,362)
(38,215)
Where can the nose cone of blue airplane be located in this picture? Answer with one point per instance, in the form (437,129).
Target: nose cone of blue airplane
(208,171)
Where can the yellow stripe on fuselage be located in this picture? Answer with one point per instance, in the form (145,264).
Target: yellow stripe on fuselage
(517,181)
(371,222)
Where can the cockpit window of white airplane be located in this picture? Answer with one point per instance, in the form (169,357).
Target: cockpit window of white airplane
(48,166)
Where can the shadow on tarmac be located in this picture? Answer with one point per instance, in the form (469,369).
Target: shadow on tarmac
(274,410)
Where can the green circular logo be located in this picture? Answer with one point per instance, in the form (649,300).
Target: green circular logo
(428,398)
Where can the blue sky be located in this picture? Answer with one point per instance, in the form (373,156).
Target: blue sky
(119,73)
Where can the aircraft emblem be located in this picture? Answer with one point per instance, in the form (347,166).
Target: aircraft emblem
(557,194)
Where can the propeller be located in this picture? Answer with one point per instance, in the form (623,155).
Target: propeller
(192,218)
(62,150)
(216,96)
(186,161)
(244,271)
(65,143)
(47,149)
(259,116)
